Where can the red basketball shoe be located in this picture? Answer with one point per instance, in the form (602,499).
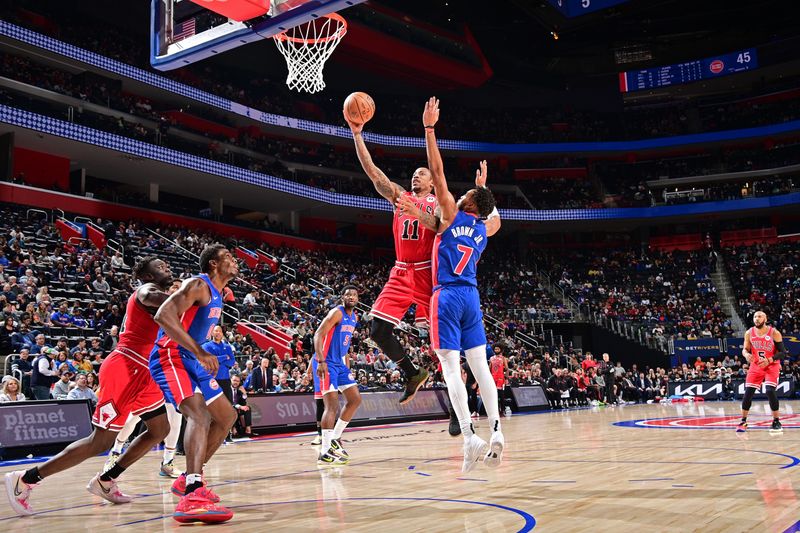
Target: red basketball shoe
(198,507)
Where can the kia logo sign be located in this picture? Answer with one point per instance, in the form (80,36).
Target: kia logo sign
(716,66)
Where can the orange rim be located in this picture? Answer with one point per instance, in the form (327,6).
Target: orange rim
(338,34)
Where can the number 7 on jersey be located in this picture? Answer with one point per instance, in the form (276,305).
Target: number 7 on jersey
(466,253)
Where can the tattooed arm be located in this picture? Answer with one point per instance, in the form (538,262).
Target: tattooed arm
(385,188)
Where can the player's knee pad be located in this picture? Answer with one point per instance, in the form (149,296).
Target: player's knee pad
(747,401)
(772,396)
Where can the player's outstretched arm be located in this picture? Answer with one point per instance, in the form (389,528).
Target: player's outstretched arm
(447,203)
(493,220)
(330,321)
(383,185)
(193,292)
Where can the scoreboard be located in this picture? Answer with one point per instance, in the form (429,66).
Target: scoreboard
(576,8)
(697,70)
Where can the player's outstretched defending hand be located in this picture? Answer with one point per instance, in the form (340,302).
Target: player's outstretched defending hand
(431,114)
(354,127)
(481,175)
(406,206)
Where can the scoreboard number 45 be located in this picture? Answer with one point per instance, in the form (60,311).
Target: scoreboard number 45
(742,58)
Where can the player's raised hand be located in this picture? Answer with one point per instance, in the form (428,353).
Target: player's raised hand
(354,127)
(406,206)
(431,114)
(481,175)
(209,362)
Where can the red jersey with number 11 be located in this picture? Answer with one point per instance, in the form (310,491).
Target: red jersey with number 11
(412,241)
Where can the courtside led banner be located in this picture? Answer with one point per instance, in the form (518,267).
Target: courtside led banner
(297,409)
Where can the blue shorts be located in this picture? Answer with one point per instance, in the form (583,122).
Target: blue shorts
(456,318)
(180,375)
(338,378)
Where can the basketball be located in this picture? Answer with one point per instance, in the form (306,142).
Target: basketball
(359,107)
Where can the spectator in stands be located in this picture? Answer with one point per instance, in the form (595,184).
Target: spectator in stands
(11,390)
(61,317)
(92,382)
(40,345)
(111,339)
(6,332)
(250,298)
(23,365)
(81,364)
(82,391)
(101,285)
(80,346)
(117,261)
(261,380)
(63,385)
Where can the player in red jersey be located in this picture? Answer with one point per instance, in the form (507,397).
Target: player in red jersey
(498,366)
(763,349)
(410,281)
(126,388)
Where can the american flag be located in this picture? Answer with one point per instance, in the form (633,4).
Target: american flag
(183,30)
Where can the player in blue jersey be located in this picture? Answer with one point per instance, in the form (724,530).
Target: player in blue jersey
(185,372)
(332,375)
(456,318)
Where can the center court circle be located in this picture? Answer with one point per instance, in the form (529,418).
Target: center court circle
(725,422)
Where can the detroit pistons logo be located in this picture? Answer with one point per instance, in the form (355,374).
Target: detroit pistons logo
(213,384)
(724,422)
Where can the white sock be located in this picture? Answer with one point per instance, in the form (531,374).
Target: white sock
(169,455)
(451,371)
(193,478)
(476,358)
(339,428)
(118,446)
(327,435)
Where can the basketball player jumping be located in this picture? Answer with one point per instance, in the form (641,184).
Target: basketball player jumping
(763,349)
(332,375)
(410,278)
(127,388)
(185,371)
(456,318)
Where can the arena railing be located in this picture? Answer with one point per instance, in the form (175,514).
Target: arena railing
(240,280)
(61,48)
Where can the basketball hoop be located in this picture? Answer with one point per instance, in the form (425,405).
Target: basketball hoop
(306,48)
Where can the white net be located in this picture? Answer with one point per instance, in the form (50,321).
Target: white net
(306,48)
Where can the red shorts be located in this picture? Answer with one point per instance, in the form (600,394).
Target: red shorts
(126,387)
(500,383)
(409,283)
(757,375)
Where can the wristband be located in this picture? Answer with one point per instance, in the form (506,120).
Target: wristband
(430,127)
(494,214)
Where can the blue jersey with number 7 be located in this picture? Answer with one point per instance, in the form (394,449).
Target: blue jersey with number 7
(456,251)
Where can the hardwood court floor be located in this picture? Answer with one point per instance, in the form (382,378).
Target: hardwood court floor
(568,471)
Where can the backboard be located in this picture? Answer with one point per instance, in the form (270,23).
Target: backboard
(186,31)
